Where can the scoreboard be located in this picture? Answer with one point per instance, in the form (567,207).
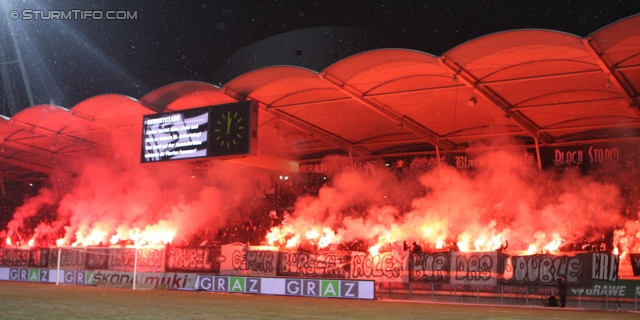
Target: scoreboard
(225,131)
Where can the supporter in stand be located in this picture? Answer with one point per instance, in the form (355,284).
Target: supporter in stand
(603,247)
(274,220)
(358,245)
(256,234)
(276,204)
(417,249)
(503,247)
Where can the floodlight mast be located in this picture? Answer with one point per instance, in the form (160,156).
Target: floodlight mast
(5,61)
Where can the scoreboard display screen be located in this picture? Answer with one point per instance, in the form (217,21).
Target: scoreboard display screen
(227,131)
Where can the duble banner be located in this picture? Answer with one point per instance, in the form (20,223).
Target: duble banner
(544,270)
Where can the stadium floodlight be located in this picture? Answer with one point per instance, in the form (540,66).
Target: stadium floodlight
(28,26)
(11,58)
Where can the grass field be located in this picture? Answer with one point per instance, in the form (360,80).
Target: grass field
(47,301)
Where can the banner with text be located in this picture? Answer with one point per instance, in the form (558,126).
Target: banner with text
(14,257)
(620,289)
(430,267)
(539,269)
(194,259)
(251,261)
(456,268)
(331,264)
(95,258)
(388,267)
(319,288)
(474,268)
(183,281)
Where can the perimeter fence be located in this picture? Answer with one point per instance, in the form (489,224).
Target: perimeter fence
(624,295)
(455,277)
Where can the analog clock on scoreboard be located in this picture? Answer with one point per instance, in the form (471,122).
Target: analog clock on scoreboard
(233,130)
(228,130)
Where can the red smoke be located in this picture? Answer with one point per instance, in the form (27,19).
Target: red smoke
(501,200)
(102,199)
(111,197)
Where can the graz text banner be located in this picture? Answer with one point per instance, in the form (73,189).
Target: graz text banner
(320,288)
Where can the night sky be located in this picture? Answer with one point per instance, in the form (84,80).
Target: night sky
(170,41)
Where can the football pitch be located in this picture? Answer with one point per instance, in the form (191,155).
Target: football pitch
(48,301)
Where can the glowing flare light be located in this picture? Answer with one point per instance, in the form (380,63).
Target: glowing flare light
(161,233)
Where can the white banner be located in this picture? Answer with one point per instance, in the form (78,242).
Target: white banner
(319,288)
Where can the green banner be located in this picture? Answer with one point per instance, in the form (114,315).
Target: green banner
(619,289)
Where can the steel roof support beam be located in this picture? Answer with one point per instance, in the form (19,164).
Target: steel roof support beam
(616,78)
(384,94)
(311,103)
(26,165)
(365,144)
(60,159)
(4,188)
(303,125)
(392,115)
(486,135)
(542,77)
(16,144)
(563,142)
(403,92)
(546,105)
(56,135)
(470,81)
(594,127)
(93,120)
(317,132)
(631,67)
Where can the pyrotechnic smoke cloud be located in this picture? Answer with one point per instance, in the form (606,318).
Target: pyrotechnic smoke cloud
(480,209)
(112,198)
(502,198)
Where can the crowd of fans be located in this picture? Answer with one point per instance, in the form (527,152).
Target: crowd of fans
(251,223)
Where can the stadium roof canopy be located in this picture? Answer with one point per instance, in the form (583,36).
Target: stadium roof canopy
(534,86)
